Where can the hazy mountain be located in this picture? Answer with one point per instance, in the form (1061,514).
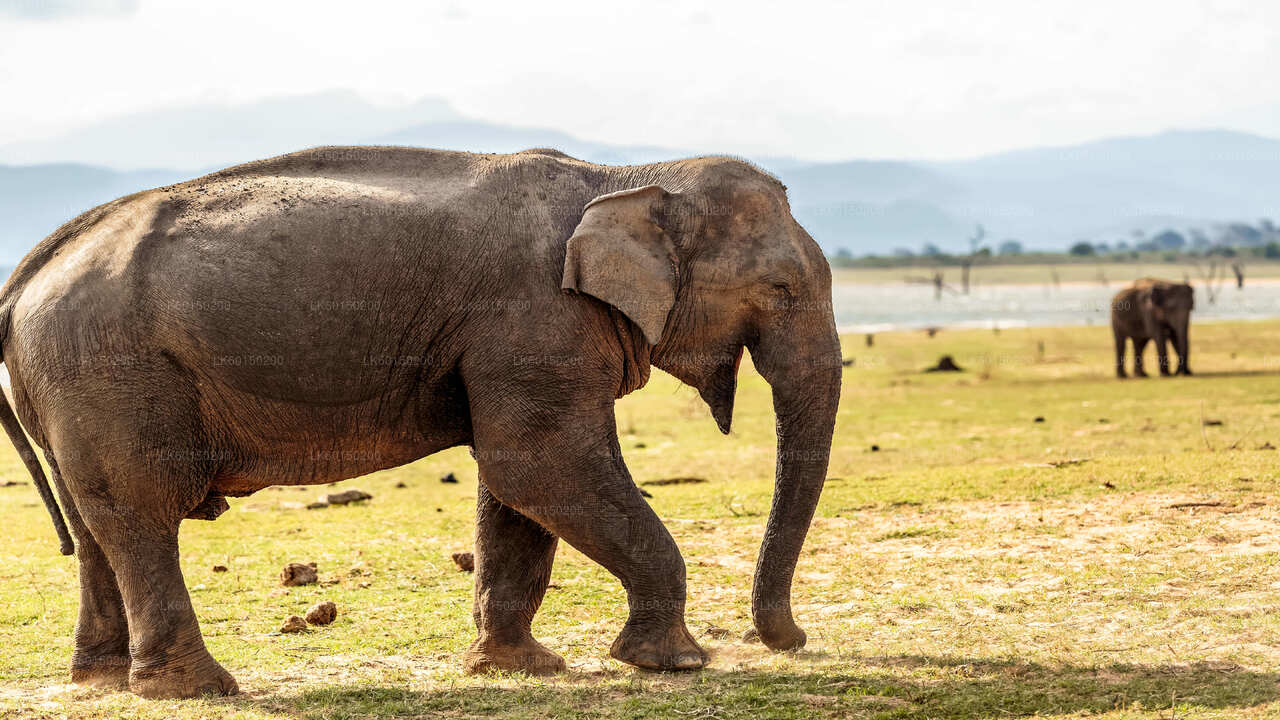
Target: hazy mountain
(35,200)
(213,136)
(1045,197)
(1104,189)
(476,136)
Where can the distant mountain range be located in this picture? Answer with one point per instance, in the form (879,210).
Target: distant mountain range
(1046,198)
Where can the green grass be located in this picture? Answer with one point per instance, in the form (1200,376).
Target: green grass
(1119,559)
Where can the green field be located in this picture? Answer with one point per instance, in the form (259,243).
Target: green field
(1119,559)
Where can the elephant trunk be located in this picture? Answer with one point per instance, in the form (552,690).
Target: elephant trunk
(805,377)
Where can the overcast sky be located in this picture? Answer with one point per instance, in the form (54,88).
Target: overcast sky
(901,78)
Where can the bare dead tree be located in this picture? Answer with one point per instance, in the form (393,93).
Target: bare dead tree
(1212,276)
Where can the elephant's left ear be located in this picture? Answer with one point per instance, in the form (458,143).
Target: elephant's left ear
(620,253)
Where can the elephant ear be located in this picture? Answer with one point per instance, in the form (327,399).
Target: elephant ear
(621,254)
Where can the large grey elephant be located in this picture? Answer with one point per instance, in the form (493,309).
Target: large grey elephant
(330,313)
(1153,309)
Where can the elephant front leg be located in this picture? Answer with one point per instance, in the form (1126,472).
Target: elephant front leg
(1139,349)
(513,559)
(564,470)
(1183,346)
(1162,353)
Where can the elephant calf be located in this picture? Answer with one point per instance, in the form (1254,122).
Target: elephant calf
(326,314)
(1153,309)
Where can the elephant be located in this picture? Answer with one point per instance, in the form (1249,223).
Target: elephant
(1153,309)
(337,311)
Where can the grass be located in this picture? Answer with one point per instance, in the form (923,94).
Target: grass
(1120,559)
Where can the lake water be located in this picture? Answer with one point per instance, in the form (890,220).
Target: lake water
(879,307)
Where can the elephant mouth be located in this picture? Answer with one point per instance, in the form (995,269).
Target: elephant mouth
(721,388)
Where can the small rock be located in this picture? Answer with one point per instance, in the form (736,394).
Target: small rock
(450,478)
(346,496)
(322,613)
(1267,446)
(318,505)
(219,568)
(875,448)
(945,364)
(1108,485)
(1039,419)
(465,561)
(1212,423)
(365,583)
(401,485)
(298,574)
(293,624)
(641,446)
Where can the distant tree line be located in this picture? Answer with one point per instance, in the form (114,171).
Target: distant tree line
(1238,239)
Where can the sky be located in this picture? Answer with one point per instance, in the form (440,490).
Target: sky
(816,80)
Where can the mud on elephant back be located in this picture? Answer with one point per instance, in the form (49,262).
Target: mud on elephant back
(156,390)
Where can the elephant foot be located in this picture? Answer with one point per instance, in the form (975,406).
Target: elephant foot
(1140,373)
(782,636)
(1120,374)
(674,649)
(107,672)
(193,679)
(528,656)
(1184,371)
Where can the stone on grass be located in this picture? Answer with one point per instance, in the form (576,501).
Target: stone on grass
(346,496)
(466,561)
(298,574)
(322,613)
(293,624)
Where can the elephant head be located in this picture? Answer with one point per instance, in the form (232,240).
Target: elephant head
(1172,303)
(707,260)
(1167,304)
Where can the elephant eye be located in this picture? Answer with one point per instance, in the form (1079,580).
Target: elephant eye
(781,300)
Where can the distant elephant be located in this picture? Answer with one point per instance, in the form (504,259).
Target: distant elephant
(329,313)
(1153,309)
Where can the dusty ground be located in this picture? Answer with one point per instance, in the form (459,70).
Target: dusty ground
(1117,560)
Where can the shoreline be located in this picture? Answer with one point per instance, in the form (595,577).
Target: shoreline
(874,328)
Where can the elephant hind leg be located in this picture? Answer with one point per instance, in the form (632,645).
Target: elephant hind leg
(168,658)
(134,479)
(513,558)
(101,655)
(1120,339)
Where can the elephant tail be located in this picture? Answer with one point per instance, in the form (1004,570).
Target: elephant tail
(19,439)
